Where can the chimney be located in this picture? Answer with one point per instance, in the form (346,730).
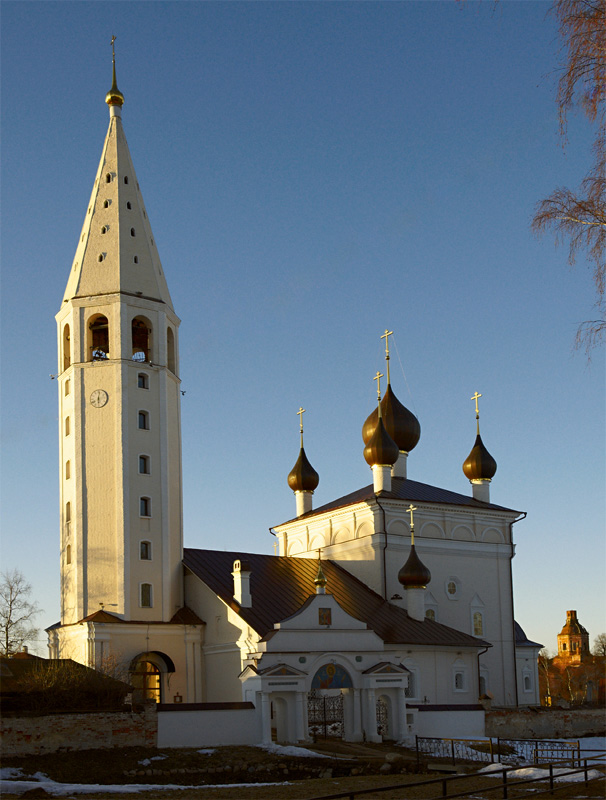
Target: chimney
(241,574)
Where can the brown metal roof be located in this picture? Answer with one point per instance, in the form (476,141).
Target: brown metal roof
(280,586)
(410,491)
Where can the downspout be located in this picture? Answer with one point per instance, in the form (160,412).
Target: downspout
(481,653)
(513,626)
(384,562)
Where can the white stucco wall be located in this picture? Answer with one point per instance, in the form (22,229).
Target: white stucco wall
(209,728)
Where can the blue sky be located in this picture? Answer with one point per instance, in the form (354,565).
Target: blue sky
(315,173)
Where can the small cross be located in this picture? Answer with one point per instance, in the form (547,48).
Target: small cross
(300,413)
(113,51)
(386,336)
(377,378)
(319,554)
(476,397)
(410,510)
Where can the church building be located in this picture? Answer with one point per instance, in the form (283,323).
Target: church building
(387,612)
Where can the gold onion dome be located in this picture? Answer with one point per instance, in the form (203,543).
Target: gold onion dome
(401,424)
(414,574)
(479,464)
(303,477)
(381,450)
(114,97)
(320,579)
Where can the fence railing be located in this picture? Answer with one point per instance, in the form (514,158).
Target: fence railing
(496,750)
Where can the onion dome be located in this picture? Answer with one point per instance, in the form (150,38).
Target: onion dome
(479,464)
(303,477)
(401,424)
(414,574)
(381,450)
(114,97)
(320,579)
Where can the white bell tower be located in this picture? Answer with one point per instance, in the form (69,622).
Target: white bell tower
(119,408)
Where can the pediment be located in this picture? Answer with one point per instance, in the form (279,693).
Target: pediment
(386,668)
(281,671)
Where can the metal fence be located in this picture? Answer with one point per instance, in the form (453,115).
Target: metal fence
(502,751)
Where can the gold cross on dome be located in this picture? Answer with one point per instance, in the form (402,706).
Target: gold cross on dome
(377,378)
(410,511)
(476,397)
(300,413)
(386,336)
(113,51)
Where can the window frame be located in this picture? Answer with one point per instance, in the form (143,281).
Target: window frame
(145,507)
(145,586)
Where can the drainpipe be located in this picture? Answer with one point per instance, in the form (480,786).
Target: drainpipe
(513,627)
(481,653)
(384,562)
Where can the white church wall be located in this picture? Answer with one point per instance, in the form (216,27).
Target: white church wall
(450,724)
(195,728)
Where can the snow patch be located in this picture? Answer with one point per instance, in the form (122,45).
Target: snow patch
(61,789)
(528,773)
(289,750)
(147,761)
(207,752)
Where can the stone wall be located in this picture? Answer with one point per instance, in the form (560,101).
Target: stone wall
(545,723)
(24,736)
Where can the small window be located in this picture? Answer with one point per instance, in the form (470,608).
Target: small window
(478,624)
(136,259)
(132,231)
(106,204)
(527,683)
(128,205)
(145,551)
(482,686)
(143,380)
(459,681)
(143,421)
(68,512)
(68,387)
(108,178)
(563,645)
(126,179)
(170,349)
(144,465)
(100,257)
(430,614)
(146,595)
(68,554)
(144,507)
(104,229)
(67,426)
(67,359)
(68,470)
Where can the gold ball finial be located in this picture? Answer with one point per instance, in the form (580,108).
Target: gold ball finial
(114,97)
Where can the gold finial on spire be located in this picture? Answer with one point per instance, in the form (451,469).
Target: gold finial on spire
(114,97)
(410,511)
(386,336)
(320,579)
(476,397)
(300,413)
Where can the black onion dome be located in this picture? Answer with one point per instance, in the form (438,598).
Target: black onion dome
(414,574)
(401,424)
(303,477)
(381,449)
(479,464)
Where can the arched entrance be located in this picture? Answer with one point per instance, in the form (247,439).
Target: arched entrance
(325,717)
(147,671)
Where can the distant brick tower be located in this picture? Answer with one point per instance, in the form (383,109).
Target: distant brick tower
(573,640)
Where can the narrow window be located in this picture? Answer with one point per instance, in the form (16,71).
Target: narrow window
(68,512)
(106,204)
(146,595)
(99,340)
(100,259)
(143,421)
(68,554)
(563,645)
(145,551)
(482,686)
(144,463)
(67,357)
(136,259)
(68,387)
(170,349)
(128,205)
(68,470)
(67,426)
(527,684)
(459,681)
(126,179)
(108,178)
(132,231)
(141,336)
(144,507)
(143,380)
(104,229)
(478,624)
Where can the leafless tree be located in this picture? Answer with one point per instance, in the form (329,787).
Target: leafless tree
(17,612)
(599,645)
(579,217)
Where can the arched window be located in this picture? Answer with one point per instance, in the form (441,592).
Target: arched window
(145,679)
(144,465)
(141,339)
(68,470)
(99,338)
(430,614)
(68,512)
(132,231)
(68,387)
(143,380)
(143,421)
(68,554)
(126,179)
(459,676)
(135,259)
(145,551)
(144,507)
(67,426)
(106,204)
(170,349)
(67,357)
(146,598)
(478,623)
(128,205)
(108,178)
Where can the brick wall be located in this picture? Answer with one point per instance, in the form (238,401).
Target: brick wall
(21,736)
(545,723)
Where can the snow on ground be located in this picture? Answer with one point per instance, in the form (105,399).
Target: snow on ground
(208,752)
(289,750)
(40,781)
(528,773)
(147,761)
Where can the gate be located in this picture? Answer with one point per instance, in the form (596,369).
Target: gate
(382,717)
(325,715)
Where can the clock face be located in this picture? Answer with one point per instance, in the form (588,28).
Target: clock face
(98,398)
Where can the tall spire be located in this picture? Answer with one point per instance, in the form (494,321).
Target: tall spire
(116,251)
(114,97)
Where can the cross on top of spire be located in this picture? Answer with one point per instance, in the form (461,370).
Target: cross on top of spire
(386,336)
(476,397)
(300,413)
(410,510)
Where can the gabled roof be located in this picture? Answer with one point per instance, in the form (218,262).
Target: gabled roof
(184,616)
(409,491)
(521,639)
(280,586)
